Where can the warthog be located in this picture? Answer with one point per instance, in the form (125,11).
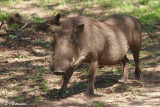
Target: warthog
(82,39)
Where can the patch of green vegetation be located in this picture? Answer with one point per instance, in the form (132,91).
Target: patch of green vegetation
(117,105)
(3,15)
(74,83)
(10,3)
(4,93)
(99,89)
(143,2)
(49,1)
(142,52)
(14,26)
(44,87)
(19,56)
(109,3)
(84,85)
(117,72)
(41,69)
(17,88)
(39,41)
(36,98)
(28,77)
(84,72)
(37,76)
(97,104)
(12,74)
(36,18)
(133,90)
(19,97)
(145,10)
(130,65)
(148,12)
(14,81)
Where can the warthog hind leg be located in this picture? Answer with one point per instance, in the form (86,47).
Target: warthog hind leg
(125,62)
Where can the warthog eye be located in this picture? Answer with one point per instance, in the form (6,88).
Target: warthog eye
(72,39)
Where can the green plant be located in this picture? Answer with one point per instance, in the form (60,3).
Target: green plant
(40,69)
(36,18)
(133,90)
(113,90)
(19,56)
(39,41)
(117,105)
(11,74)
(3,15)
(36,98)
(4,93)
(29,78)
(48,1)
(149,28)
(143,2)
(84,85)
(130,65)
(61,78)
(17,87)
(14,81)
(9,3)
(74,83)
(43,86)
(84,71)
(99,89)
(143,88)
(14,26)
(89,12)
(19,97)
(117,72)
(97,104)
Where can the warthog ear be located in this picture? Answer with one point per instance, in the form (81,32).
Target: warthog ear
(55,20)
(79,28)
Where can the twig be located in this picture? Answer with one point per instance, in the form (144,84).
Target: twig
(23,26)
(1,24)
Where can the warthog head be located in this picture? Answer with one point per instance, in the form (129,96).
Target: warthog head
(65,46)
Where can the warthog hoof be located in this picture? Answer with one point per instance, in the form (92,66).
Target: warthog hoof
(137,76)
(89,92)
(122,80)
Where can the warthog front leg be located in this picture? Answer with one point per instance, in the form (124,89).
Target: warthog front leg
(91,77)
(66,79)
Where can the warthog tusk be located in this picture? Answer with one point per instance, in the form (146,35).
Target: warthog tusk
(74,63)
(73,60)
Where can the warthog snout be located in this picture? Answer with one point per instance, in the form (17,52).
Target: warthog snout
(57,71)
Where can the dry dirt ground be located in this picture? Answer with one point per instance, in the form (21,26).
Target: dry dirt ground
(25,77)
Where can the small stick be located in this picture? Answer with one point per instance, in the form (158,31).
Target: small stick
(1,24)
(24,26)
